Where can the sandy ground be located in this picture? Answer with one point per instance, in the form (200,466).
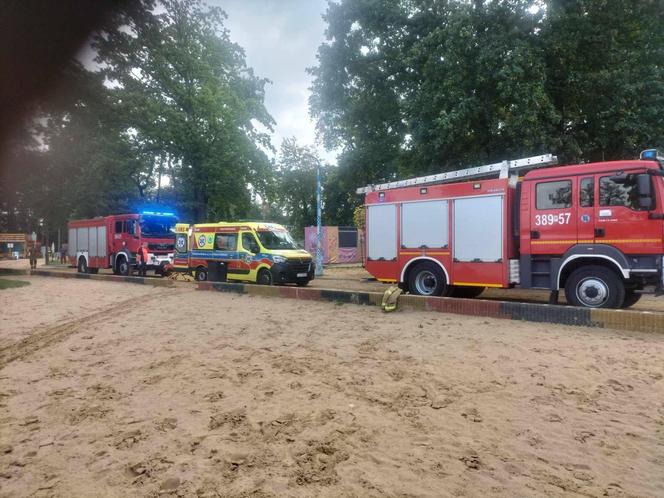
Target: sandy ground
(127,390)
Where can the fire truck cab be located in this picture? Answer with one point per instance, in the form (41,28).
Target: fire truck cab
(595,230)
(113,242)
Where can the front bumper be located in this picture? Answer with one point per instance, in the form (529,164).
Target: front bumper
(292,272)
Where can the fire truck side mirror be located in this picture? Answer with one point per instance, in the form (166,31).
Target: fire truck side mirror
(644,187)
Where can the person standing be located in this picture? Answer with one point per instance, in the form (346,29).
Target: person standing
(143,257)
(32,254)
(63,253)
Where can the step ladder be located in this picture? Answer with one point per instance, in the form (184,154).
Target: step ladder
(503,169)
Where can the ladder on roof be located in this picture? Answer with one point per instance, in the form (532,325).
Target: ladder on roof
(503,169)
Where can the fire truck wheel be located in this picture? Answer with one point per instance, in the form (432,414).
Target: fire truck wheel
(82,265)
(264,277)
(595,287)
(201,274)
(467,292)
(631,298)
(123,266)
(427,279)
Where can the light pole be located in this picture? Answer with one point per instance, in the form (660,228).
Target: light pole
(319,252)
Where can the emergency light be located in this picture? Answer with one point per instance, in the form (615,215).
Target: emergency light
(651,155)
(154,213)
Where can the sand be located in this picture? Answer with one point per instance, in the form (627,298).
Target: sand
(124,390)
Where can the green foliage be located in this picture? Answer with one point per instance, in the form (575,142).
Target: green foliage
(186,92)
(409,87)
(12,284)
(296,184)
(173,98)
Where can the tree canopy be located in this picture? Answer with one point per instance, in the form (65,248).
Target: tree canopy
(170,97)
(408,87)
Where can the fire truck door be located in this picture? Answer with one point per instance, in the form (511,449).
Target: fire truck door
(619,219)
(586,210)
(553,217)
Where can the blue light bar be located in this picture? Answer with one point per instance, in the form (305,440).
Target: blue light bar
(650,155)
(154,213)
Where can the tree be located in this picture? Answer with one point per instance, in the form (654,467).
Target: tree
(185,91)
(296,184)
(411,87)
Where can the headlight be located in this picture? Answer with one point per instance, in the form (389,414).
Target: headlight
(279,259)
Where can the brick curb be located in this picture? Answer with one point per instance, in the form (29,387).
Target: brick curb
(641,321)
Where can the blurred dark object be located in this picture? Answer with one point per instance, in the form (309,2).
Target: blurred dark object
(37,38)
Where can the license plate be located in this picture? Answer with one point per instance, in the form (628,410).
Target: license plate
(301,275)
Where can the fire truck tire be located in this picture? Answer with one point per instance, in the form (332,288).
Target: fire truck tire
(201,274)
(264,277)
(467,292)
(82,265)
(123,266)
(595,287)
(427,279)
(631,298)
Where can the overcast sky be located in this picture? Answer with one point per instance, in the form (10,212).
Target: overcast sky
(280,38)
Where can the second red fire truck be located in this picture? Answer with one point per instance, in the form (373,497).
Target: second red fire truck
(113,241)
(595,230)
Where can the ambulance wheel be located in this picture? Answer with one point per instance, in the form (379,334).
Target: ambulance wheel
(82,265)
(631,298)
(264,277)
(427,279)
(467,292)
(123,266)
(595,287)
(201,274)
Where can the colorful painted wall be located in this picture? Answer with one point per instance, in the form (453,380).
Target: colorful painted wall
(339,244)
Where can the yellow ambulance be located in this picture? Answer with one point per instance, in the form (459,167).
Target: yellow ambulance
(259,252)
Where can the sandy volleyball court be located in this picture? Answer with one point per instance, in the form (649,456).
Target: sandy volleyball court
(110,389)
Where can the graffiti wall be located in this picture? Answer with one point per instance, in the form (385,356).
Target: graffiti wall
(339,244)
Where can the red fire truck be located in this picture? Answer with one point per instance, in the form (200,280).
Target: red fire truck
(595,230)
(113,241)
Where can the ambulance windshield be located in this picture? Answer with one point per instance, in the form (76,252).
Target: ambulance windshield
(158,226)
(280,239)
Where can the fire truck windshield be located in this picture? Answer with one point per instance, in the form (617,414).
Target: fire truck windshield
(276,240)
(158,226)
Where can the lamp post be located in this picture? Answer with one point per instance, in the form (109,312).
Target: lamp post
(319,252)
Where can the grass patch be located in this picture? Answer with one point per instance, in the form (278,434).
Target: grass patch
(10,284)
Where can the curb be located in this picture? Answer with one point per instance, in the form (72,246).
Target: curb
(157,282)
(640,321)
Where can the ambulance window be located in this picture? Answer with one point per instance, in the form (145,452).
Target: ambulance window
(225,242)
(554,195)
(118,227)
(249,242)
(587,193)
